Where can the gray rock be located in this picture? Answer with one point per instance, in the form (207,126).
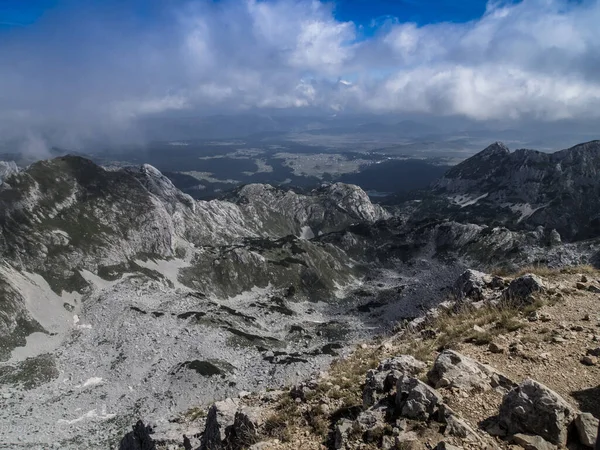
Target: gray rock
(554,238)
(520,291)
(531,442)
(221,418)
(405,364)
(342,430)
(470,285)
(374,387)
(588,428)
(455,426)
(415,399)
(381,381)
(533,408)
(452,369)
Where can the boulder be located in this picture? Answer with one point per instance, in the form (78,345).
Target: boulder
(531,442)
(533,408)
(520,291)
(452,369)
(588,428)
(219,421)
(138,439)
(470,285)
(415,399)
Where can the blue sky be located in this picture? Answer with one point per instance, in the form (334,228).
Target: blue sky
(99,66)
(363,12)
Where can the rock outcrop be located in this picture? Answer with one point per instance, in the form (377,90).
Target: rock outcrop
(453,370)
(138,439)
(533,408)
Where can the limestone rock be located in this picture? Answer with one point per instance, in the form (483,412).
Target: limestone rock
(533,408)
(470,285)
(220,420)
(520,291)
(415,399)
(587,428)
(452,369)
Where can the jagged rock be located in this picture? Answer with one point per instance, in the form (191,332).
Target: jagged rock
(470,285)
(342,430)
(221,417)
(533,408)
(452,369)
(415,399)
(520,291)
(381,381)
(588,429)
(138,439)
(531,442)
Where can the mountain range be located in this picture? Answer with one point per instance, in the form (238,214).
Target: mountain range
(122,297)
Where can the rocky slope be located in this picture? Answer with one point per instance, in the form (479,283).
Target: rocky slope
(510,363)
(122,298)
(524,189)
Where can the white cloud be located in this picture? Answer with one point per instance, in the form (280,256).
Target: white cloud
(536,59)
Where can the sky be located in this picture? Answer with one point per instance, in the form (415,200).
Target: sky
(79,68)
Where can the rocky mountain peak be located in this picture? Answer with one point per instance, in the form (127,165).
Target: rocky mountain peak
(497,148)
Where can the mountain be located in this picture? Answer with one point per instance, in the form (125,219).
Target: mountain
(123,298)
(524,189)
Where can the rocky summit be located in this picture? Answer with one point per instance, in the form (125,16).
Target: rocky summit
(133,316)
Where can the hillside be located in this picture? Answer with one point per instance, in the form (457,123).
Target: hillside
(452,381)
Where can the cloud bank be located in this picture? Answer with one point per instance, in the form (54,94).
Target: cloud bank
(83,71)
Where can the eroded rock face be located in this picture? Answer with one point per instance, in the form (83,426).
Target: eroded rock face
(452,369)
(533,408)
